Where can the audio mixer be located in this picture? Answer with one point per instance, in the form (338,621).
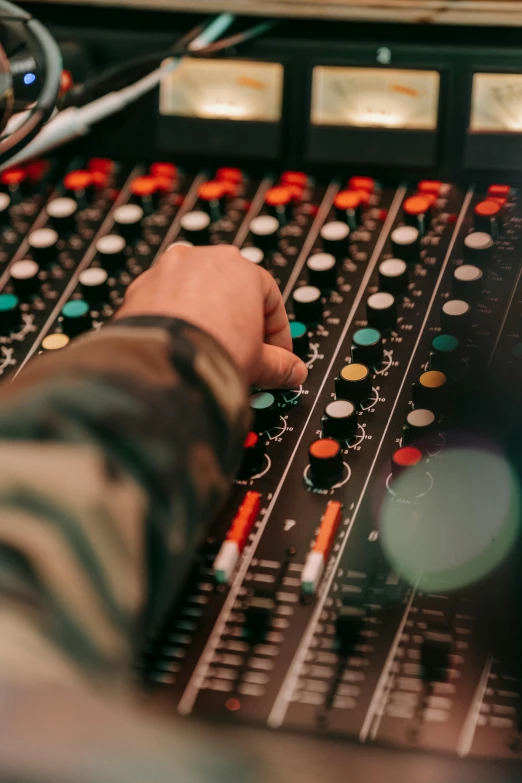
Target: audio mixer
(360,585)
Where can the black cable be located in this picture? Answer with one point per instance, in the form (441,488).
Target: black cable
(118,77)
(234,40)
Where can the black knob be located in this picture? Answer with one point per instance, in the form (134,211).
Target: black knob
(24,277)
(254,254)
(127,221)
(406,243)
(430,391)
(335,236)
(487,217)
(259,611)
(264,232)
(478,248)
(420,426)
(80,183)
(253,456)
(93,283)
(76,317)
(340,420)
(211,197)
(278,201)
(300,339)
(111,251)
(43,243)
(308,306)
(381,310)
(445,353)
(468,281)
(348,627)
(393,276)
(62,214)
(455,316)
(367,347)
(417,212)
(229,174)
(322,271)
(145,194)
(326,462)
(55,341)
(435,655)
(10,314)
(5,206)
(266,412)
(347,204)
(15,183)
(404,458)
(354,383)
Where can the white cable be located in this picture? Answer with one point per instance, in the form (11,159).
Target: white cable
(75,122)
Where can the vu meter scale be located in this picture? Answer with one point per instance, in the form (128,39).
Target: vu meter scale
(372,97)
(496,102)
(234,90)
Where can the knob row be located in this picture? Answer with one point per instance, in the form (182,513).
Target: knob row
(348,210)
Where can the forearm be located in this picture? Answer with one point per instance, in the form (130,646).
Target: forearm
(113,455)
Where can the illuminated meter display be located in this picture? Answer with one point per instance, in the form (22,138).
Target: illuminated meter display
(375,98)
(224,90)
(496,102)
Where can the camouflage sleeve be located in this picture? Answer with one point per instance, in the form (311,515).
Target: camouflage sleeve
(114,453)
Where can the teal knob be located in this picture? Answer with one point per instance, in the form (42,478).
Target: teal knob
(10,315)
(76,317)
(300,340)
(445,353)
(264,406)
(367,347)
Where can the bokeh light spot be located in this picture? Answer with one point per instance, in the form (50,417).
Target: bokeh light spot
(461,529)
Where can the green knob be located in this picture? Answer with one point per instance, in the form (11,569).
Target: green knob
(300,341)
(264,406)
(10,316)
(76,317)
(367,347)
(445,353)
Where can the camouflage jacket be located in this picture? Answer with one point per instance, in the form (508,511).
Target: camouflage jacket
(114,453)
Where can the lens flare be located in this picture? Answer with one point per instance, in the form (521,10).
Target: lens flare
(461,529)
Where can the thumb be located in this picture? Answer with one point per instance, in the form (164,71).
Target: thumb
(279,368)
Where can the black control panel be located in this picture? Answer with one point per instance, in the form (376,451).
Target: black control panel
(345,587)
(362,581)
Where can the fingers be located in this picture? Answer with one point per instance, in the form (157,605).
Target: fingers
(279,369)
(277,328)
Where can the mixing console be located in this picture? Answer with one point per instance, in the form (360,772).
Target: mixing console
(348,583)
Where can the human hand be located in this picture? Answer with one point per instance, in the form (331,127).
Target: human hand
(235,301)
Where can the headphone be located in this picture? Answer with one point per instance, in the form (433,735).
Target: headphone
(28,55)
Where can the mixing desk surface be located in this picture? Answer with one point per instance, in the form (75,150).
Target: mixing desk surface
(362,582)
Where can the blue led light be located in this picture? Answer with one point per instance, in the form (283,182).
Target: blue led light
(29,78)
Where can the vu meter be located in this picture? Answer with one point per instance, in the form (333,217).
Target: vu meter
(224,90)
(375,98)
(496,102)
